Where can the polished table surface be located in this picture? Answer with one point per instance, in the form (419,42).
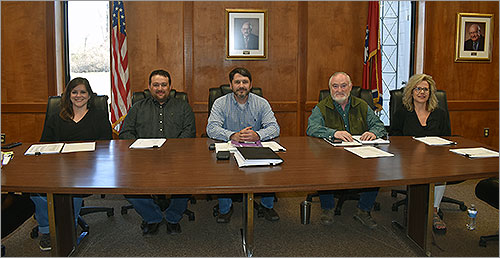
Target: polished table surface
(186,166)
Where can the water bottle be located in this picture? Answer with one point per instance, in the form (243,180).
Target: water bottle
(471,214)
(305,212)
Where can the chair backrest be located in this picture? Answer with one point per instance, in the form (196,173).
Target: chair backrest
(138,95)
(214,93)
(396,102)
(356,91)
(54,106)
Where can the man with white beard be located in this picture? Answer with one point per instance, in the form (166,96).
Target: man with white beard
(340,117)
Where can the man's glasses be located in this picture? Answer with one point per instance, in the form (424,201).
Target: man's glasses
(342,86)
(418,89)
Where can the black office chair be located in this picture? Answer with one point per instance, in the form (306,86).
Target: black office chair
(396,103)
(100,102)
(139,95)
(350,194)
(161,200)
(487,191)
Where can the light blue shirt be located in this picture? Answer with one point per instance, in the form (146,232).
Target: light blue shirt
(227,118)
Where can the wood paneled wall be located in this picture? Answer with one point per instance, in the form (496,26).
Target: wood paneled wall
(28,67)
(308,41)
(472,88)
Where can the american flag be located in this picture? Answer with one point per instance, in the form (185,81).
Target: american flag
(120,84)
(372,65)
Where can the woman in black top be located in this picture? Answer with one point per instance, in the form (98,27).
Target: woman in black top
(421,116)
(77,121)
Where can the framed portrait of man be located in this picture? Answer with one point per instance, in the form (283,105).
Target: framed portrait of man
(474,40)
(246,34)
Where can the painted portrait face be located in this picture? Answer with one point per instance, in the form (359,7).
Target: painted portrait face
(159,88)
(474,32)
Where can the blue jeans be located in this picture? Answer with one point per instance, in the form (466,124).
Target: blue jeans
(366,199)
(225,203)
(151,212)
(42,214)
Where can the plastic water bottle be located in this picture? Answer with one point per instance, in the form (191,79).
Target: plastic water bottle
(471,214)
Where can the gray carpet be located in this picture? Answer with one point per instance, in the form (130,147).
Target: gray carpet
(120,235)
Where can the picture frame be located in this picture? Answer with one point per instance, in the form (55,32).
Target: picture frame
(246,34)
(474,40)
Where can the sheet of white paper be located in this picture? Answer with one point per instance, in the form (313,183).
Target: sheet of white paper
(434,140)
(343,144)
(369,152)
(49,148)
(273,145)
(76,147)
(147,143)
(376,141)
(476,152)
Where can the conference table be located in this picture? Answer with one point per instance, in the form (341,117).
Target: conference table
(187,166)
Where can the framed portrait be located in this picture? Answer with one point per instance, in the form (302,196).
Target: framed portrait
(246,34)
(474,40)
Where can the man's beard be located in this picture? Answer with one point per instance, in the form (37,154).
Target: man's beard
(340,99)
(241,95)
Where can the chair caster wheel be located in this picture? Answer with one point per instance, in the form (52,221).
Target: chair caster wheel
(110,213)
(34,233)
(394,208)
(191,217)
(394,194)
(215,211)
(463,207)
(376,207)
(123,211)
(337,213)
(482,243)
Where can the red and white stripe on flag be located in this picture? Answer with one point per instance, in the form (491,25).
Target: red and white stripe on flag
(120,84)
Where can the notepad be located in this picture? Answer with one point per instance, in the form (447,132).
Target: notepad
(476,152)
(77,147)
(376,141)
(369,152)
(49,148)
(147,143)
(256,156)
(342,143)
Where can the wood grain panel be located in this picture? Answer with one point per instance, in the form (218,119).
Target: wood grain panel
(22,127)
(336,42)
(155,41)
(471,124)
(460,80)
(25,41)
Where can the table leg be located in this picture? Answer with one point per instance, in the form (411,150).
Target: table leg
(420,210)
(247,231)
(61,224)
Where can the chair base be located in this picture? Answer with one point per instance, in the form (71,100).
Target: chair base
(484,239)
(396,205)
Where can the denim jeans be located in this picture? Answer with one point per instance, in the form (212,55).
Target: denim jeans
(225,203)
(151,212)
(366,199)
(42,214)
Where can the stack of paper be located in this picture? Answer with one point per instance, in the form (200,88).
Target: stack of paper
(50,148)
(376,141)
(369,152)
(256,156)
(342,143)
(229,146)
(434,140)
(147,143)
(476,152)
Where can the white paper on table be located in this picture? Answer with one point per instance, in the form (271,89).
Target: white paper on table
(476,152)
(376,141)
(147,143)
(76,147)
(49,148)
(342,144)
(273,146)
(369,152)
(434,140)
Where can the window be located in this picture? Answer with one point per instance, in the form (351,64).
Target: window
(395,42)
(88,43)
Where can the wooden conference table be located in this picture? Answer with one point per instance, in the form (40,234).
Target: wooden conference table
(186,166)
